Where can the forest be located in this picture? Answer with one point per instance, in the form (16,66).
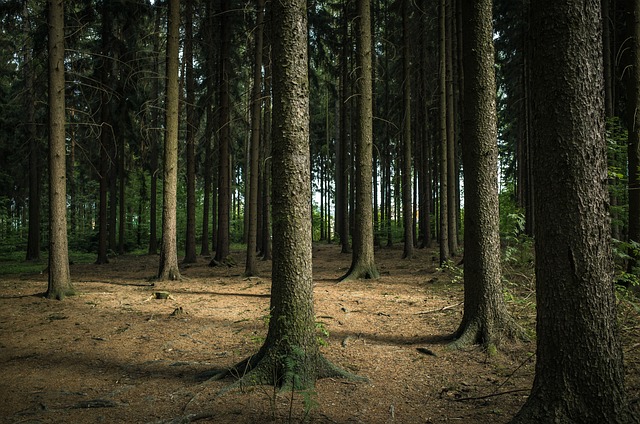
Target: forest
(320,211)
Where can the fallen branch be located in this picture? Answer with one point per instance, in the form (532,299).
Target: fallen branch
(444,308)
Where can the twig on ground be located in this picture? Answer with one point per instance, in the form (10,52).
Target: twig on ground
(444,308)
(491,395)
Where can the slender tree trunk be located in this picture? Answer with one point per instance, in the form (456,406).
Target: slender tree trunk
(633,108)
(579,369)
(190,255)
(256,115)
(266,198)
(153,198)
(363,261)
(224,169)
(122,216)
(168,269)
(59,284)
(33,240)
(105,136)
(485,318)
(444,179)
(407,208)
(342,182)
(452,171)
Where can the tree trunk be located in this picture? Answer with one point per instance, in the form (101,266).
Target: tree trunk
(290,355)
(224,170)
(633,122)
(485,318)
(266,197)
(153,198)
(168,269)
(256,115)
(452,169)
(342,179)
(59,284)
(33,240)
(363,261)
(407,208)
(444,180)
(579,370)
(190,255)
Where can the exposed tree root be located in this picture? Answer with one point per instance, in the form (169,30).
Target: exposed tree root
(266,368)
(477,332)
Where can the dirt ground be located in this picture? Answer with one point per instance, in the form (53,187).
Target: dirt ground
(115,354)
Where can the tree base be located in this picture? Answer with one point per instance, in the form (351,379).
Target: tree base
(367,272)
(60,294)
(266,368)
(476,332)
(228,262)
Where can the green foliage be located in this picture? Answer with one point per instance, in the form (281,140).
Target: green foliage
(456,272)
(322,333)
(617,138)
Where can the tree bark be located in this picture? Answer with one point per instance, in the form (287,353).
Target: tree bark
(363,260)
(579,370)
(444,179)
(168,269)
(59,283)
(485,320)
(224,141)
(633,122)
(256,115)
(33,240)
(190,255)
(290,355)
(407,208)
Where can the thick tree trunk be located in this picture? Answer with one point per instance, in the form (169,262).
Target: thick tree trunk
(485,318)
(363,261)
(59,284)
(290,355)
(168,269)
(579,369)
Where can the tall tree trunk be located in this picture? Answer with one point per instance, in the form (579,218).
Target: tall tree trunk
(633,108)
(105,136)
(342,179)
(485,318)
(224,169)
(363,261)
(190,255)
(452,169)
(153,160)
(407,208)
(290,355)
(266,196)
(579,370)
(33,240)
(168,269)
(256,115)
(122,216)
(444,179)
(59,284)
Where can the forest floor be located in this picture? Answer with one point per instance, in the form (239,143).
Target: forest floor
(115,354)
